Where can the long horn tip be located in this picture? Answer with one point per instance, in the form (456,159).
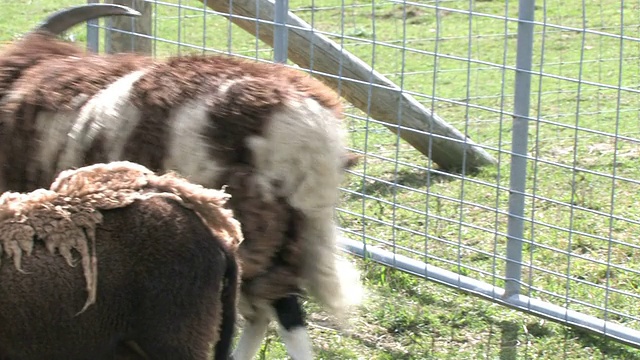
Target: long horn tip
(131,12)
(65,19)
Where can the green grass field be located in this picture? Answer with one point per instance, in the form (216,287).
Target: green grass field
(570,181)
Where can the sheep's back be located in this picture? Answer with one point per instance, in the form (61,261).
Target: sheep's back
(155,259)
(194,114)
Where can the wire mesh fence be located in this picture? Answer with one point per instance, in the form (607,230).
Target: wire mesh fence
(547,89)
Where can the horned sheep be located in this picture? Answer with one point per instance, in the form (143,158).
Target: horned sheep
(270,133)
(157,254)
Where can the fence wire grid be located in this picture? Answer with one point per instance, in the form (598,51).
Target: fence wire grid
(549,89)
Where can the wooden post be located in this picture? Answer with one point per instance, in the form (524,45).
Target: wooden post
(119,42)
(446,147)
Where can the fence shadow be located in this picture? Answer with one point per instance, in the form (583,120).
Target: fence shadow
(608,347)
(508,340)
(417,179)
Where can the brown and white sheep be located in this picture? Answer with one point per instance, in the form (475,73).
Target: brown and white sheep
(271,134)
(157,257)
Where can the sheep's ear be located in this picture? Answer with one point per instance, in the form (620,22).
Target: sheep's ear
(351,160)
(65,19)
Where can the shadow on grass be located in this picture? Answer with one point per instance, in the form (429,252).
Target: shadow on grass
(606,346)
(508,340)
(407,178)
(389,354)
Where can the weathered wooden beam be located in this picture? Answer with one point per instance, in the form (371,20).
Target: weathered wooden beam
(120,42)
(434,137)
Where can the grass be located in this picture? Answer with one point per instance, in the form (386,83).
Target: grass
(584,131)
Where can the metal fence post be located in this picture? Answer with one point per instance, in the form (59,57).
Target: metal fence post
(93,32)
(280,31)
(518,173)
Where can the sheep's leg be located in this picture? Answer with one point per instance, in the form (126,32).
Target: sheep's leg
(168,348)
(292,329)
(253,333)
(130,350)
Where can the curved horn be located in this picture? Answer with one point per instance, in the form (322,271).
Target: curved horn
(63,20)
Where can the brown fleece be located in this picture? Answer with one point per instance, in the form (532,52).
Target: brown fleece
(65,217)
(265,85)
(167,230)
(264,222)
(283,275)
(96,153)
(56,84)
(47,83)
(254,92)
(164,298)
(16,57)
(271,251)
(44,77)
(55,76)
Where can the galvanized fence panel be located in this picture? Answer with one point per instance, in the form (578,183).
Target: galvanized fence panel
(550,89)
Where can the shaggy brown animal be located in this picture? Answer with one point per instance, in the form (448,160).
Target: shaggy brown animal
(272,134)
(157,256)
